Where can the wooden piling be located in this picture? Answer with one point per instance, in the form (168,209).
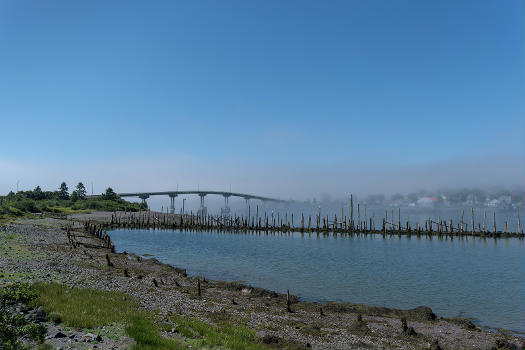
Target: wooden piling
(484,221)
(110,264)
(288,302)
(365,222)
(462,213)
(473,227)
(351,214)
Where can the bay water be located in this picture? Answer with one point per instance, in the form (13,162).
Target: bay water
(479,278)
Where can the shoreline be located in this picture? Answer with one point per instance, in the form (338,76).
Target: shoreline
(471,321)
(169,290)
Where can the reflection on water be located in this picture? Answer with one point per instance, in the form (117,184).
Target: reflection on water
(481,278)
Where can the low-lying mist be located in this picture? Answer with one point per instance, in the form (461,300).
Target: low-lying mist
(301,182)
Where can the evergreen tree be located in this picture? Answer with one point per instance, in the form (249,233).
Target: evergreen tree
(110,194)
(63,191)
(37,193)
(81,190)
(74,196)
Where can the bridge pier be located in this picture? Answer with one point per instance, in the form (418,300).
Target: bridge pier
(172,202)
(247,201)
(226,210)
(203,211)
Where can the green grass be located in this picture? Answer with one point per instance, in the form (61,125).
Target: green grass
(223,334)
(84,307)
(89,308)
(147,337)
(12,250)
(10,236)
(66,210)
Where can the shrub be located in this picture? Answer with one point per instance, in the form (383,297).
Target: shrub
(12,325)
(17,292)
(26,205)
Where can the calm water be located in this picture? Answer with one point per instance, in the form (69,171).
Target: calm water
(479,278)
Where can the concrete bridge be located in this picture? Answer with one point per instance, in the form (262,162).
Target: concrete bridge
(201,194)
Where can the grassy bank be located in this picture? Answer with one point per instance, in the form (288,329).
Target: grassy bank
(27,203)
(89,308)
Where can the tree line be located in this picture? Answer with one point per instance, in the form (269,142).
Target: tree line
(62,201)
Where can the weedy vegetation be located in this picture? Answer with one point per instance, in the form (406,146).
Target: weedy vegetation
(13,326)
(84,307)
(89,308)
(25,203)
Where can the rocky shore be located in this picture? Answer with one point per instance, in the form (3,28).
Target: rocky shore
(42,250)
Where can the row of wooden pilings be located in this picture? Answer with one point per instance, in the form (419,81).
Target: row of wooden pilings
(322,225)
(98,230)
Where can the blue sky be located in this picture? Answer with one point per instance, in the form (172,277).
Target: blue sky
(258,85)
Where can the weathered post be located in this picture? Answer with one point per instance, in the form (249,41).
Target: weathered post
(198,286)
(404,327)
(288,302)
(399,220)
(484,220)
(365,222)
(473,227)
(351,214)
(392,221)
(494,221)
(358,217)
(110,264)
(462,213)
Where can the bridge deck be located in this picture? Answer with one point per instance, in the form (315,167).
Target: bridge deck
(220,193)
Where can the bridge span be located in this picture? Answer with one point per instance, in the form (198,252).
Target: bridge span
(201,194)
